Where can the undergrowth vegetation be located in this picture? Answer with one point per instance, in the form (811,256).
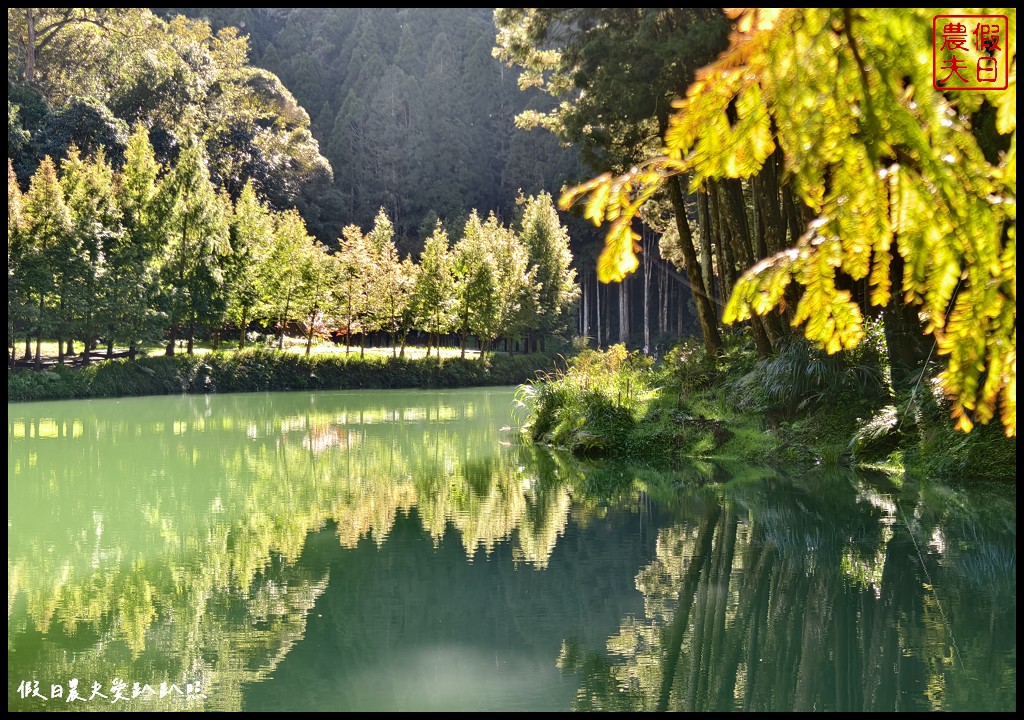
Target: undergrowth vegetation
(798,408)
(263,370)
(594,405)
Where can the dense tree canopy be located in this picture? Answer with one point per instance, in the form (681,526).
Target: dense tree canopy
(615,72)
(158,253)
(629,63)
(83,76)
(409,107)
(162,188)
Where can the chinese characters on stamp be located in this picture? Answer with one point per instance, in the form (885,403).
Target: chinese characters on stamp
(970,52)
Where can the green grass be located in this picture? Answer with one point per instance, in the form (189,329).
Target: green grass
(792,411)
(293,345)
(616,404)
(297,346)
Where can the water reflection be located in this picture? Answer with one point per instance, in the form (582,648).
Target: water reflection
(164,534)
(395,550)
(831,594)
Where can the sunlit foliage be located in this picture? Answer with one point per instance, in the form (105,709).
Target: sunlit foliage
(154,253)
(890,167)
(84,75)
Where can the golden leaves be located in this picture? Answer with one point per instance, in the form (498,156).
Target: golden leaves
(762,287)
(599,201)
(750,20)
(888,164)
(618,258)
(830,316)
(618,200)
(1006,107)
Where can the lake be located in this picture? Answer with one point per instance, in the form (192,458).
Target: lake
(400,550)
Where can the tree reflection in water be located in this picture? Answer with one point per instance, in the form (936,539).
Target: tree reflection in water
(835,593)
(183,539)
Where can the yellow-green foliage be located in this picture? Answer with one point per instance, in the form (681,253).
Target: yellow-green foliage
(593,404)
(889,165)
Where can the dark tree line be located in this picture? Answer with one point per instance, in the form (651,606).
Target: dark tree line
(410,109)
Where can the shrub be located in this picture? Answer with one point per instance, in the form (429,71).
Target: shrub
(256,370)
(591,406)
(802,378)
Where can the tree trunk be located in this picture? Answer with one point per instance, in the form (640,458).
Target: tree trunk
(765,187)
(676,631)
(42,314)
(793,214)
(725,268)
(680,309)
(904,336)
(706,231)
(697,656)
(181,283)
(60,316)
(735,214)
(623,313)
(648,268)
(585,318)
(721,579)
(90,333)
(661,299)
(597,302)
(705,310)
(110,348)
(757,229)
(30,49)
(772,231)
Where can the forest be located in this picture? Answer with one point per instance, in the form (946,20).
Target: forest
(517,359)
(193,219)
(141,256)
(190,195)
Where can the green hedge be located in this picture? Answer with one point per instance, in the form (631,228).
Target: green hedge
(263,370)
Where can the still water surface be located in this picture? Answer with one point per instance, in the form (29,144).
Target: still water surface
(398,550)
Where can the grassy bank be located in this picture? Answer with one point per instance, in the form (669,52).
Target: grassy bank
(263,370)
(797,409)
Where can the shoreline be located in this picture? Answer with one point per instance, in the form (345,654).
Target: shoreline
(268,371)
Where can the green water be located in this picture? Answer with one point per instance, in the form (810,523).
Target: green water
(398,550)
